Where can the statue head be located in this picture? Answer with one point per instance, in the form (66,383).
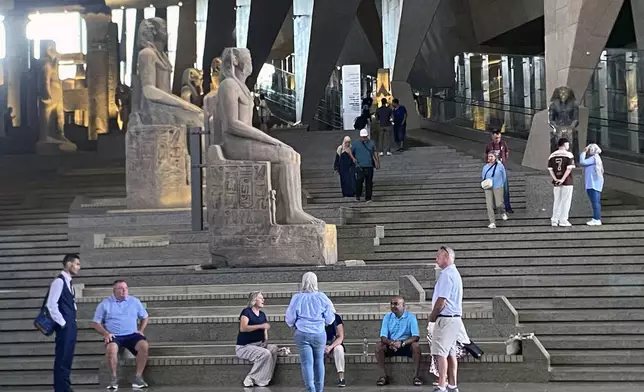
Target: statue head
(153,32)
(237,63)
(564,94)
(192,77)
(48,48)
(215,68)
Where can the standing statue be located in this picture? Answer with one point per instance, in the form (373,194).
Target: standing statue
(154,102)
(563,118)
(50,109)
(209,100)
(192,86)
(233,130)
(124,102)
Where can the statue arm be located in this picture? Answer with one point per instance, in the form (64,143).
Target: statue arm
(552,117)
(46,83)
(186,93)
(575,116)
(230,106)
(147,75)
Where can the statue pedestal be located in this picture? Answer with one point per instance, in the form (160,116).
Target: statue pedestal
(157,167)
(241,220)
(538,148)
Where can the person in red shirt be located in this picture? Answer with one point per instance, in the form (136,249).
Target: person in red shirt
(500,148)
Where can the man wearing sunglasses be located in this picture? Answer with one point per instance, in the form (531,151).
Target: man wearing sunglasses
(447,303)
(399,336)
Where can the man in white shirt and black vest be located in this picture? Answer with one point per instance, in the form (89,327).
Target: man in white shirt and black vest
(61,303)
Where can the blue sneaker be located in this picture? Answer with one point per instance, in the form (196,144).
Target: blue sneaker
(342,383)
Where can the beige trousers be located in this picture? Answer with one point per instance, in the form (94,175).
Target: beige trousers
(338,358)
(494,203)
(263,359)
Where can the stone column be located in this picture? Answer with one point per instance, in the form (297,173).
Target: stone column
(98,72)
(404,27)
(16,60)
(576,34)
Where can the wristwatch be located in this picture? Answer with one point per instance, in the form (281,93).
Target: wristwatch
(402,343)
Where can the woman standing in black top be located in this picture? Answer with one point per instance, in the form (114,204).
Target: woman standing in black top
(252,342)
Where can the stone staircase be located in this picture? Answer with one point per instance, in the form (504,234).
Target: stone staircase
(424,198)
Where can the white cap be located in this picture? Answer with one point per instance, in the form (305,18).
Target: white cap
(364,132)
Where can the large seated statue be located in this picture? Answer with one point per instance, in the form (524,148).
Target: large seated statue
(255,212)
(157,161)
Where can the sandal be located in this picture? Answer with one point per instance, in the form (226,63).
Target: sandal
(382,381)
(417,381)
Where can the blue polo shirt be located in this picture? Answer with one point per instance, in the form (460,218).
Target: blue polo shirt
(402,328)
(120,317)
(399,115)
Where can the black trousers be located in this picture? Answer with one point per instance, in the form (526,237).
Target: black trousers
(364,175)
(65,345)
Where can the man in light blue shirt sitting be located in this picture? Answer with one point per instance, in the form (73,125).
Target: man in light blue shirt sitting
(399,336)
(116,318)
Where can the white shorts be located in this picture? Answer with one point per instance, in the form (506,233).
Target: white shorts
(447,330)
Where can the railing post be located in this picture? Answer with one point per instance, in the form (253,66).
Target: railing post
(196,183)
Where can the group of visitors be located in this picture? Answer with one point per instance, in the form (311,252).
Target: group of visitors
(121,319)
(356,161)
(494,180)
(319,333)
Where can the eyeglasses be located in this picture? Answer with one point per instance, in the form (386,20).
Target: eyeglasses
(395,303)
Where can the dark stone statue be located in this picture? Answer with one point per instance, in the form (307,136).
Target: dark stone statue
(564,118)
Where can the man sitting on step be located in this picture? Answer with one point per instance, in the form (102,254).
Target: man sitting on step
(116,318)
(399,336)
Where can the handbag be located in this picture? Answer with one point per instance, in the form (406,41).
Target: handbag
(489,183)
(43,322)
(474,350)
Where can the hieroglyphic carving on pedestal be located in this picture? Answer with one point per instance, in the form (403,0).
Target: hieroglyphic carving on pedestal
(242,195)
(157,172)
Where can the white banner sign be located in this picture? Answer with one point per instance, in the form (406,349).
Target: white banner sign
(351,95)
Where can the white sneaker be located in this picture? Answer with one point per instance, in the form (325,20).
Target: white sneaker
(594,222)
(388,153)
(491,226)
(565,224)
(504,216)
(554,223)
(381,153)
(248,383)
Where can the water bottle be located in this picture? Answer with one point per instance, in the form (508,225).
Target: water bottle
(365,347)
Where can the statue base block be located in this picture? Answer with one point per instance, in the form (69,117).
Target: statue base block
(157,167)
(241,221)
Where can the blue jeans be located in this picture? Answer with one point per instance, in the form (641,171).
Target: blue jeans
(311,347)
(595,197)
(506,195)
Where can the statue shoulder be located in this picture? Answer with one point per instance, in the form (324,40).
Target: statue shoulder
(148,54)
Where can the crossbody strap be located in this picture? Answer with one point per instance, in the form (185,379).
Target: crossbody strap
(493,172)
(44,302)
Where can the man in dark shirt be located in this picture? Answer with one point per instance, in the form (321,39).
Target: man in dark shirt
(500,148)
(385,114)
(560,165)
(335,347)
(400,123)
(366,159)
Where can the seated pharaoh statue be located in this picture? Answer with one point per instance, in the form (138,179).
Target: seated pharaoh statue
(239,140)
(154,102)
(156,152)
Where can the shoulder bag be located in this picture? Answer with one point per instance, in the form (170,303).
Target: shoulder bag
(43,322)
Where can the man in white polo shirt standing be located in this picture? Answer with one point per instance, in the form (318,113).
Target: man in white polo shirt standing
(448,308)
